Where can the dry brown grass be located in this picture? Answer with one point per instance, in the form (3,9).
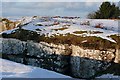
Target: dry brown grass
(99,25)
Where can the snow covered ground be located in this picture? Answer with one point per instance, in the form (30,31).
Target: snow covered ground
(110,27)
(11,69)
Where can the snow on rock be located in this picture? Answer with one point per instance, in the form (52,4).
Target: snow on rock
(47,25)
(26,20)
(8,31)
(12,69)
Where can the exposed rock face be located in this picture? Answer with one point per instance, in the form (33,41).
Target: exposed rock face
(89,62)
(36,54)
(93,54)
(86,68)
(71,60)
(35,48)
(12,46)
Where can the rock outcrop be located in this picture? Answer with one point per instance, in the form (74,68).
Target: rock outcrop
(71,60)
(93,54)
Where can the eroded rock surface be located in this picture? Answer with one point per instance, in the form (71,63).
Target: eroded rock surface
(71,60)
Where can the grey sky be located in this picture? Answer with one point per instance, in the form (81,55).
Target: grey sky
(80,9)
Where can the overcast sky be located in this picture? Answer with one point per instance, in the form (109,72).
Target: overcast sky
(49,7)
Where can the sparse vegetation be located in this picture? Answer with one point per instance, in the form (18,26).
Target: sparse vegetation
(80,32)
(99,25)
(38,29)
(91,32)
(23,35)
(85,23)
(116,38)
(0,36)
(95,32)
(38,25)
(92,41)
(63,28)
(0,55)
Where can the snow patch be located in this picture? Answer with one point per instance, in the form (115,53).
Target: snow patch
(13,69)
(109,76)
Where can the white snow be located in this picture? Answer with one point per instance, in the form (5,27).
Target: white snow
(25,20)
(110,27)
(109,76)
(11,69)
